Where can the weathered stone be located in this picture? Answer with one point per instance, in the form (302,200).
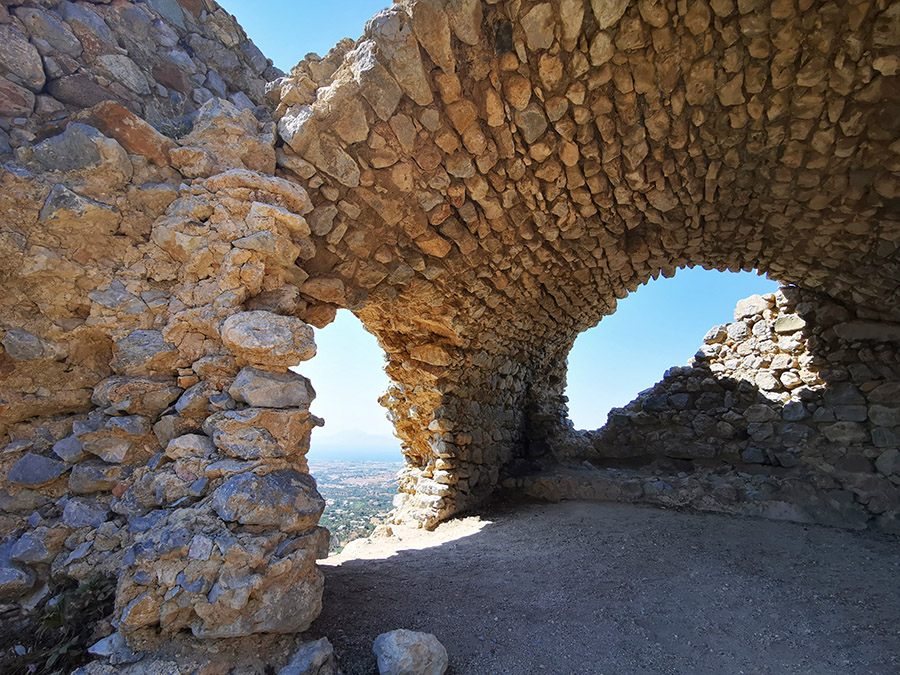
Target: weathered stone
(789,323)
(285,499)
(66,211)
(263,339)
(264,389)
(399,51)
(261,432)
(19,60)
(144,352)
(50,34)
(80,512)
(133,133)
(22,345)
(15,101)
(404,651)
(32,469)
(69,450)
(94,476)
(888,462)
(312,658)
(14,581)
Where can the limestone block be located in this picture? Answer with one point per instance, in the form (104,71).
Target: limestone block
(261,432)
(267,340)
(286,500)
(264,389)
(405,651)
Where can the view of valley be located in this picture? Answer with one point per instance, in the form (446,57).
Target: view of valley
(358,495)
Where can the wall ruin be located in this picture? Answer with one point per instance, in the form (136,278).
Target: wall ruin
(478,182)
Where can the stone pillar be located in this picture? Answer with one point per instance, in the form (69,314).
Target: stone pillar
(242,559)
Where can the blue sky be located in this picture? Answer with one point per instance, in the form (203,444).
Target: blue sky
(286,31)
(658,326)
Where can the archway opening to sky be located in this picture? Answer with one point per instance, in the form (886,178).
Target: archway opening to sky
(348,376)
(660,325)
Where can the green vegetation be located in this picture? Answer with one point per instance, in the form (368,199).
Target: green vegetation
(358,496)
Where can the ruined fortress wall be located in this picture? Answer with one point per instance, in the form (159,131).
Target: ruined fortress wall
(477,181)
(793,410)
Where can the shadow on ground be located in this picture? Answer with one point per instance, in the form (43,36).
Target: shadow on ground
(584,587)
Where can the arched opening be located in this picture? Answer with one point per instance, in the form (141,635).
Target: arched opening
(660,325)
(355,457)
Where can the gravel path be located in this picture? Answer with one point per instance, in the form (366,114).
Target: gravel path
(610,589)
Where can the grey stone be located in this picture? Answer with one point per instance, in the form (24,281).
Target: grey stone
(31,548)
(194,402)
(760,412)
(34,469)
(72,150)
(270,340)
(169,10)
(843,393)
(886,393)
(125,71)
(144,352)
(80,512)
(868,331)
(117,298)
(272,390)
(69,450)
(792,434)
(404,652)
(312,658)
(738,331)
(22,345)
(95,476)
(23,500)
(888,462)
(845,433)
(377,85)
(794,411)
(284,499)
(190,445)
(85,22)
(885,437)
(241,100)
(754,455)
(116,649)
(19,60)
(215,84)
(884,416)
(47,27)
(851,413)
(14,581)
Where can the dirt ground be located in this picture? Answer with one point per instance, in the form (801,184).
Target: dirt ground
(612,589)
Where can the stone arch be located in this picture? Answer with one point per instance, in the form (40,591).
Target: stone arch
(534,161)
(477,181)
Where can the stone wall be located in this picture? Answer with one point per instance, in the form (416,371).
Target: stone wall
(791,412)
(162,59)
(477,181)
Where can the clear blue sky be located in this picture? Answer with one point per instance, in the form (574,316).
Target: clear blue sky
(286,31)
(658,326)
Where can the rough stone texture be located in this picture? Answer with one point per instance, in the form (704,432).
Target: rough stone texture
(402,652)
(312,658)
(478,182)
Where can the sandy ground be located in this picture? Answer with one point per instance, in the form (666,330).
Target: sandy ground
(611,589)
